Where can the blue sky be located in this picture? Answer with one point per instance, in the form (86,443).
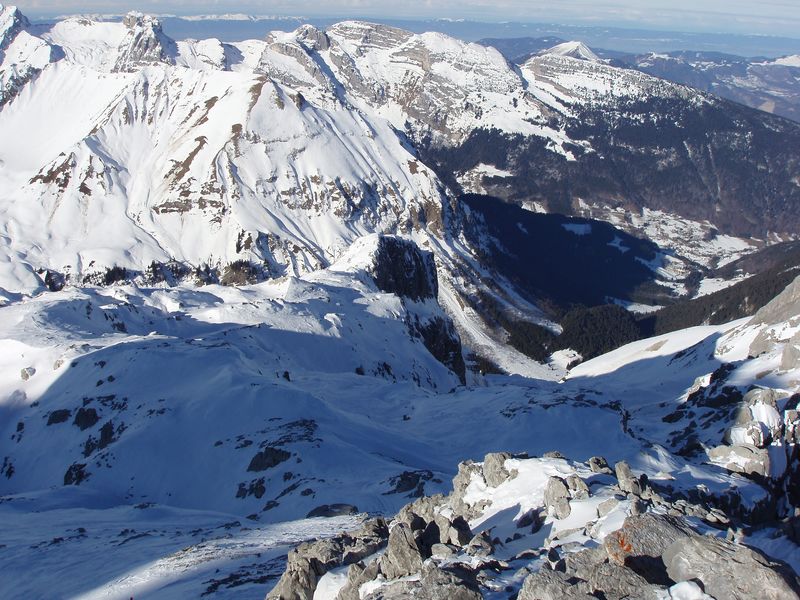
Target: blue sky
(769,17)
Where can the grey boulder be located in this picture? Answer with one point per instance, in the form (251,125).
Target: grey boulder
(556,497)
(728,570)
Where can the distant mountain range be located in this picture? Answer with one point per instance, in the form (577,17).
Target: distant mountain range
(769,84)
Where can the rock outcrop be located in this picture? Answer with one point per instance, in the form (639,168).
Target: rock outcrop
(308,562)
(144,44)
(401,267)
(729,570)
(433,553)
(398,266)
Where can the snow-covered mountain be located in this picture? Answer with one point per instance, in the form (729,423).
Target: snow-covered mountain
(192,153)
(769,85)
(573,49)
(283,151)
(239,282)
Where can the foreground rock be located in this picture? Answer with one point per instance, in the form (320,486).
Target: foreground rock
(308,562)
(575,531)
(729,570)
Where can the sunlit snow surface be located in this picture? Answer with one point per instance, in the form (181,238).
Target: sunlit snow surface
(197,380)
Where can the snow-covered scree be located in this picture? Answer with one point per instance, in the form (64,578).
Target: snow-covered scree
(197,425)
(550,528)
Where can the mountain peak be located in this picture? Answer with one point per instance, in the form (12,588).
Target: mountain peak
(574,49)
(145,43)
(11,21)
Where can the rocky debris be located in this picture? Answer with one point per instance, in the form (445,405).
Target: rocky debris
(466,471)
(494,470)
(404,554)
(760,442)
(598,464)
(332,510)
(431,552)
(443,550)
(357,575)
(728,570)
(310,561)
(423,510)
(434,584)
(268,458)
(480,545)
(606,506)
(742,458)
(556,497)
(455,531)
(761,405)
(628,483)
(26,373)
(577,487)
(652,553)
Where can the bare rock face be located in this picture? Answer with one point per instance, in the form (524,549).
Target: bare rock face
(642,539)
(404,555)
(619,582)
(556,497)
(309,562)
(144,44)
(17,68)
(785,307)
(790,358)
(729,570)
(401,267)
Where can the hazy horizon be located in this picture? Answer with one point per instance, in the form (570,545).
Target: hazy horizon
(779,18)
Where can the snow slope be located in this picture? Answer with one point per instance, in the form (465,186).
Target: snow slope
(279,151)
(205,407)
(573,49)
